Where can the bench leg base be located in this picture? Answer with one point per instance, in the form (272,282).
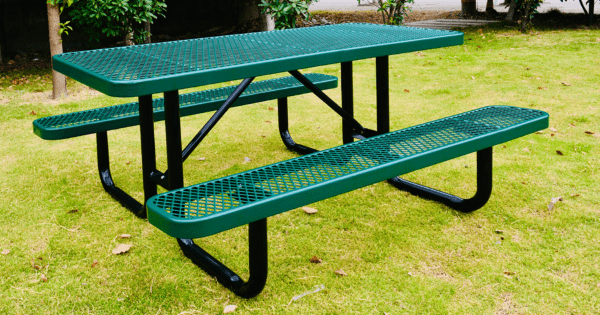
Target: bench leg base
(258,261)
(282,113)
(484,187)
(107,181)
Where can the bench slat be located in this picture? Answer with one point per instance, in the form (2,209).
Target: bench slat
(127,115)
(218,205)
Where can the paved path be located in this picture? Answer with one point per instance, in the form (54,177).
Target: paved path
(571,6)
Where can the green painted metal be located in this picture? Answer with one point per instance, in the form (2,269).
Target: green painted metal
(221,204)
(127,115)
(159,67)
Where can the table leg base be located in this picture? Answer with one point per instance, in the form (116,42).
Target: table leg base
(257,240)
(484,187)
(107,181)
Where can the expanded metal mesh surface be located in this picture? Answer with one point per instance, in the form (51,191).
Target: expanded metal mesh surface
(181,57)
(198,98)
(223,194)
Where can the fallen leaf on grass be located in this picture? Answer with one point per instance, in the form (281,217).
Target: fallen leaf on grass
(539,132)
(229,309)
(94,263)
(553,129)
(406,90)
(341,272)
(574,195)
(553,201)
(32,113)
(572,124)
(271,108)
(589,132)
(566,84)
(499,231)
(526,150)
(5,252)
(316,260)
(472,77)
(527,68)
(43,277)
(73,211)
(559,152)
(542,88)
(201,159)
(310,210)
(247,160)
(124,236)
(121,249)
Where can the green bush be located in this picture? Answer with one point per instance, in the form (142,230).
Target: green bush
(121,18)
(285,12)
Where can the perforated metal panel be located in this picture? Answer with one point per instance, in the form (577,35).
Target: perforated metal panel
(127,115)
(217,205)
(153,68)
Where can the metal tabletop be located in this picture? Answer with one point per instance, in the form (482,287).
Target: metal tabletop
(159,67)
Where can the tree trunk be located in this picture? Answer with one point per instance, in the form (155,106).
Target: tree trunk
(511,10)
(525,17)
(469,7)
(59,81)
(147,40)
(591,12)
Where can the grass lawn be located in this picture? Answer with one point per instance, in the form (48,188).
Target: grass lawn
(401,254)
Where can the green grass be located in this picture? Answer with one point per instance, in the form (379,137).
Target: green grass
(402,254)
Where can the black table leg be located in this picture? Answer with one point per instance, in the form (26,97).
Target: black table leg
(347,100)
(173,132)
(148,147)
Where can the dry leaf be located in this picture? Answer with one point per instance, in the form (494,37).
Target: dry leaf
(271,108)
(472,77)
(43,277)
(589,132)
(542,88)
(229,309)
(32,113)
(5,252)
(73,211)
(315,260)
(566,84)
(94,263)
(499,231)
(553,129)
(559,152)
(407,91)
(310,210)
(527,68)
(341,272)
(247,159)
(124,236)
(36,267)
(539,132)
(121,248)
(572,124)
(574,195)
(553,201)
(201,159)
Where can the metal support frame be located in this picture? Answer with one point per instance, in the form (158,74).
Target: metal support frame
(107,181)
(282,113)
(484,157)
(258,262)
(358,130)
(481,197)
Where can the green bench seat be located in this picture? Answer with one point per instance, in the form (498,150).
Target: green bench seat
(127,115)
(251,197)
(221,204)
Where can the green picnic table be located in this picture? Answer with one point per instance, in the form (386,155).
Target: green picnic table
(250,197)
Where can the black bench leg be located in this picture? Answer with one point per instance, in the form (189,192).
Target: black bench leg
(258,261)
(282,113)
(484,187)
(107,181)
